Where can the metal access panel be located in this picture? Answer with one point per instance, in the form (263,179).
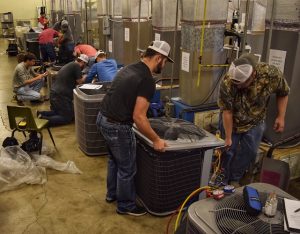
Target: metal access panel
(131,39)
(206,91)
(288,41)
(115,42)
(75,24)
(56,16)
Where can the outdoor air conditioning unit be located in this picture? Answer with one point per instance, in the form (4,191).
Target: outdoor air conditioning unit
(229,215)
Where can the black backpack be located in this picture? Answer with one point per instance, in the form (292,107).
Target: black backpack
(10,141)
(32,144)
(12,49)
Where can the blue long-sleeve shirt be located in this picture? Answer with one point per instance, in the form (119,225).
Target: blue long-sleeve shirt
(105,71)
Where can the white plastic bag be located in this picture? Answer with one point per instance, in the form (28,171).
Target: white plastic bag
(16,168)
(47,162)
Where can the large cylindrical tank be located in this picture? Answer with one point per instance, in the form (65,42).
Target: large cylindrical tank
(192,18)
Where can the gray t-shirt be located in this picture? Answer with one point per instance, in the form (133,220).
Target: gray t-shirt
(21,74)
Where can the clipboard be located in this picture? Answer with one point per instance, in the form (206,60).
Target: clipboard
(292,218)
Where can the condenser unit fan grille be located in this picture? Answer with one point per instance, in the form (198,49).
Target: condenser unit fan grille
(231,217)
(176,129)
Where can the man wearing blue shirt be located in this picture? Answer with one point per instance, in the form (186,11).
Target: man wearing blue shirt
(104,69)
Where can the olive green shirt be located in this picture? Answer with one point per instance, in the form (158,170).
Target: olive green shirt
(21,74)
(249,105)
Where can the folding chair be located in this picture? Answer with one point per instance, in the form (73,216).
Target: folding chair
(21,119)
(275,172)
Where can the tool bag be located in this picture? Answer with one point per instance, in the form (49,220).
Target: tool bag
(12,49)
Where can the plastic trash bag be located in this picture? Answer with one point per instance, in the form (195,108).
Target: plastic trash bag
(16,168)
(47,162)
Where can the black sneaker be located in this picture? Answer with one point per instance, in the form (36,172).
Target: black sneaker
(38,101)
(137,211)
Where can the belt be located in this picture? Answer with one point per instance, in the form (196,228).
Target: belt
(117,122)
(112,121)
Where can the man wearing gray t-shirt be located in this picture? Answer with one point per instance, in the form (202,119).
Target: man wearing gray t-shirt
(26,82)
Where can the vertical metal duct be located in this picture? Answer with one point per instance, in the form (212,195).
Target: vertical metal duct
(284,52)
(165,22)
(115,36)
(254,24)
(103,23)
(191,29)
(137,28)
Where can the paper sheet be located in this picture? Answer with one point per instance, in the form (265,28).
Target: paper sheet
(126,34)
(292,217)
(90,86)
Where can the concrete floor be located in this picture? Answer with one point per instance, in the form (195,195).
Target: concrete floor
(67,203)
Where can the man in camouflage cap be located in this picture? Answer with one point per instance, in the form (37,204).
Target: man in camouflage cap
(243,100)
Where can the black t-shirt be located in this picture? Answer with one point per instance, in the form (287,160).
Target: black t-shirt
(130,82)
(66,78)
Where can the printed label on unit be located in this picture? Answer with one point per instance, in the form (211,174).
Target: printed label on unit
(110,46)
(157,37)
(277,58)
(126,34)
(185,61)
(243,18)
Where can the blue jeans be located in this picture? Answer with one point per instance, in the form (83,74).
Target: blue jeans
(242,152)
(30,92)
(65,53)
(121,167)
(48,52)
(62,110)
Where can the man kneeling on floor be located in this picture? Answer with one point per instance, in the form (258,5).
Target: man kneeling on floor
(26,82)
(61,94)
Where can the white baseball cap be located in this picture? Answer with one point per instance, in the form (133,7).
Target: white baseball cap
(64,22)
(241,69)
(161,47)
(99,52)
(84,58)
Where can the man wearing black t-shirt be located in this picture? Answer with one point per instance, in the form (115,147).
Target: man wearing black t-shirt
(61,93)
(126,103)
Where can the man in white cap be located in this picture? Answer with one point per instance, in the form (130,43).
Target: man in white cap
(61,93)
(104,69)
(126,103)
(243,100)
